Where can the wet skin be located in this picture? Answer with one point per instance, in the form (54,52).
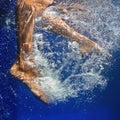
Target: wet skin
(26,11)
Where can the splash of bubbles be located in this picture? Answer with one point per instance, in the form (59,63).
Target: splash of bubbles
(65,72)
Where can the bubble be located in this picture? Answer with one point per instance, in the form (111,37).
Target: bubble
(66,73)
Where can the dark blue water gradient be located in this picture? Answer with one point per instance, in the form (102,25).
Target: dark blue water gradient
(18,103)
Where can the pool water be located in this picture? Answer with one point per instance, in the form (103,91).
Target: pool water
(85,88)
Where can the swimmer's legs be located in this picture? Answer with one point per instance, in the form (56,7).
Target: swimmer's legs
(25,19)
(86,45)
(60,27)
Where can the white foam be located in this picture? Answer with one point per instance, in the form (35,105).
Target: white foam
(71,74)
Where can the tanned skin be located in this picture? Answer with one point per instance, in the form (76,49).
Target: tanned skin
(26,11)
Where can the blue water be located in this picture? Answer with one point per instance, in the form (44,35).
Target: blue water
(18,103)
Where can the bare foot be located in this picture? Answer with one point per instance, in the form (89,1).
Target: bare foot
(86,49)
(35,88)
(28,78)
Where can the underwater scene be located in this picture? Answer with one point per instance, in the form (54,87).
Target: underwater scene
(77,86)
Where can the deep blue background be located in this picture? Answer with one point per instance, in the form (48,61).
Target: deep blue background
(18,103)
